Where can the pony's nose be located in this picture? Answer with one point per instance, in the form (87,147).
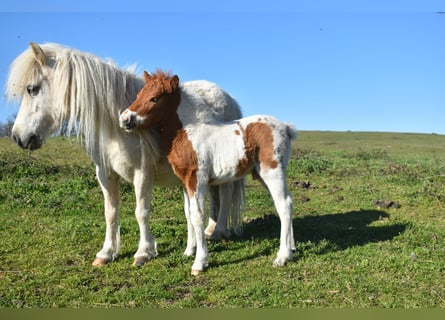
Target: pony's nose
(127,120)
(17,140)
(32,143)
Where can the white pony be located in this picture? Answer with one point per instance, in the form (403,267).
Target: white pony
(60,85)
(209,153)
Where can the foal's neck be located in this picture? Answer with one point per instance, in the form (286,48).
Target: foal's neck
(169,126)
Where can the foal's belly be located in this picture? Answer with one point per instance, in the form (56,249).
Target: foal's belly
(226,172)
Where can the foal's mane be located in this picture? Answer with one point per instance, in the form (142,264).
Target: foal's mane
(88,93)
(161,79)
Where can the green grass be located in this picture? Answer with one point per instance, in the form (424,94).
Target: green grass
(350,253)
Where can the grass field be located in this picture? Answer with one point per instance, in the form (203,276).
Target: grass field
(369,224)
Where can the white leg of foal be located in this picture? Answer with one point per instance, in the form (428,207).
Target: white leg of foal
(143,186)
(198,221)
(276,183)
(109,184)
(191,238)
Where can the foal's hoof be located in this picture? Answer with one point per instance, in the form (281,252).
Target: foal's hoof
(140,261)
(100,262)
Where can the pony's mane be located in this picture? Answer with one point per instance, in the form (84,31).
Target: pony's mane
(88,93)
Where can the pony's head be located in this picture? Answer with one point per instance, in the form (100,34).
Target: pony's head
(30,78)
(159,98)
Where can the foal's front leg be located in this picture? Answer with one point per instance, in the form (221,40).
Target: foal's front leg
(191,238)
(109,183)
(143,187)
(197,217)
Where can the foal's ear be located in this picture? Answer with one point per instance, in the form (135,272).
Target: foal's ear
(147,76)
(174,82)
(39,55)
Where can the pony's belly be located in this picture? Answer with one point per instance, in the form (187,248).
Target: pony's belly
(165,176)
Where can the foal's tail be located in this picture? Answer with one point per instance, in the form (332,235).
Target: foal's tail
(237,208)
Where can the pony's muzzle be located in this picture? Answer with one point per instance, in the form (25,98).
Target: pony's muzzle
(32,142)
(127,120)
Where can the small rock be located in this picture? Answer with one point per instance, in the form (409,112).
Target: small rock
(302,184)
(386,204)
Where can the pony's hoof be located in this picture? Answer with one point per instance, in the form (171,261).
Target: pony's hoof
(219,235)
(140,261)
(189,252)
(196,272)
(210,229)
(100,262)
(281,261)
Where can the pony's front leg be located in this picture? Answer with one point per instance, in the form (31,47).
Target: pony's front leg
(191,238)
(109,184)
(197,216)
(143,186)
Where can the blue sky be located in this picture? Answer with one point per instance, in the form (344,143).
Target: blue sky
(322,65)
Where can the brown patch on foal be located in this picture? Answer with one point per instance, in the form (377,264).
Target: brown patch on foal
(258,142)
(184,160)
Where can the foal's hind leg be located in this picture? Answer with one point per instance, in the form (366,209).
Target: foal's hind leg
(275,180)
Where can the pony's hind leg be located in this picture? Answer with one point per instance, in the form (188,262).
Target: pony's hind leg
(275,180)
(109,184)
(225,202)
(143,186)
(214,208)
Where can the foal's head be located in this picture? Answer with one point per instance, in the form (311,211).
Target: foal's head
(157,100)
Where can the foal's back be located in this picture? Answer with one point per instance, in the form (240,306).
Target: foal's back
(231,150)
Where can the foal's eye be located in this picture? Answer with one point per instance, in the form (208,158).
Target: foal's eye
(154,99)
(33,90)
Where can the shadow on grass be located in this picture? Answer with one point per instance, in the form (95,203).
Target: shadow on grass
(324,233)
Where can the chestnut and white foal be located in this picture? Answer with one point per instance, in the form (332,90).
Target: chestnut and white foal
(207,154)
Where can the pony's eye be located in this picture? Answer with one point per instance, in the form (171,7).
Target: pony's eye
(33,90)
(154,99)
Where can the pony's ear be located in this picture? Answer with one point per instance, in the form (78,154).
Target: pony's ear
(39,55)
(147,76)
(174,82)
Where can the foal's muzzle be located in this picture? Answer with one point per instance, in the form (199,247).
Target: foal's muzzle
(127,120)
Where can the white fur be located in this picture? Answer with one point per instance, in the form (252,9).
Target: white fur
(88,94)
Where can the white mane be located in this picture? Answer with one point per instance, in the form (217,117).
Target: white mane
(87,92)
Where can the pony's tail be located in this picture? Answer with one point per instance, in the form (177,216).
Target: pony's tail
(237,207)
(291,131)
